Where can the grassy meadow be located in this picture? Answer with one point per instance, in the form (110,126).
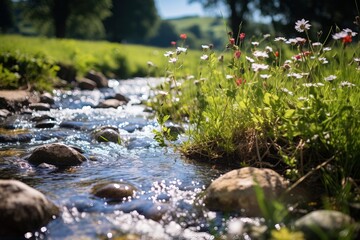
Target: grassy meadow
(115,60)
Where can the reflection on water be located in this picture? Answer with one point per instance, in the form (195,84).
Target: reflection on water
(167,205)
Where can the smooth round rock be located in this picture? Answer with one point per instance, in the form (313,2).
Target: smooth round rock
(99,78)
(110,103)
(45,124)
(114,191)
(56,154)
(23,208)
(107,134)
(86,84)
(121,97)
(40,106)
(47,98)
(323,223)
(234,191)
(42,118)
(4,113)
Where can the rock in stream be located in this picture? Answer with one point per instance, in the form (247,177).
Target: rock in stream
(23,208)
(56,154)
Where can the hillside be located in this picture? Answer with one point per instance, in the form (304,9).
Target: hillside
(204,29)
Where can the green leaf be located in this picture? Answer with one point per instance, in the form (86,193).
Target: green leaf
(267,97)
(289,113)
(231,93)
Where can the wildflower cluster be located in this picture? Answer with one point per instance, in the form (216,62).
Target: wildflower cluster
(277,99)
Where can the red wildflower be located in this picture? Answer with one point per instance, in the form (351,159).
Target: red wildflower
(237,54)
(173,43)
(307,53)
(277,54)
(347,39)
(232,41)
(183,36)
(240,81)
(242,36)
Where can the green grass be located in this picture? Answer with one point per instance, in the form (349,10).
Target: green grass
(290,115)
(83,54)
(115,60)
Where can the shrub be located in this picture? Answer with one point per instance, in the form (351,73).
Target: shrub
(21,70)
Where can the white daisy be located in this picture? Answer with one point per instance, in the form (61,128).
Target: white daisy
(302,25)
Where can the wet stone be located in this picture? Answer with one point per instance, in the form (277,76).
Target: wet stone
(175,129)
(107,134)
(56,154)
(42,118)
(117,191)
(26,111)
(99,78)
(45,124)
(4,113)
(110,103)
(39,106)
(86,84)
(121,97)
(47,98)
(21,137)
(72,125)
(23,208)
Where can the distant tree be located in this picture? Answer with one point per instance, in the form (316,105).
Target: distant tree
(323,14)
(166,33)
(131,20)
(283,13)
(63,13)
(6,18)
(196,30)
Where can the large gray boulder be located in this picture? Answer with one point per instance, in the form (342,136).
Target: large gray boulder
(23,208)
(234,191)
(56,154)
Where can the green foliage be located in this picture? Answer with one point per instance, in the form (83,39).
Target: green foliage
(267,103)
(165,134)
(65,18)
(6,18)
(131,20)
(286,234)
(8,79)
(19,70)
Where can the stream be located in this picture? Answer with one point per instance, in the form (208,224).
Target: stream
(167,203)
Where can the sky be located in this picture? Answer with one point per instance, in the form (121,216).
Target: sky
(180,8)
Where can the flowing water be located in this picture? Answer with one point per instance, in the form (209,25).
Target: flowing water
(167,205)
